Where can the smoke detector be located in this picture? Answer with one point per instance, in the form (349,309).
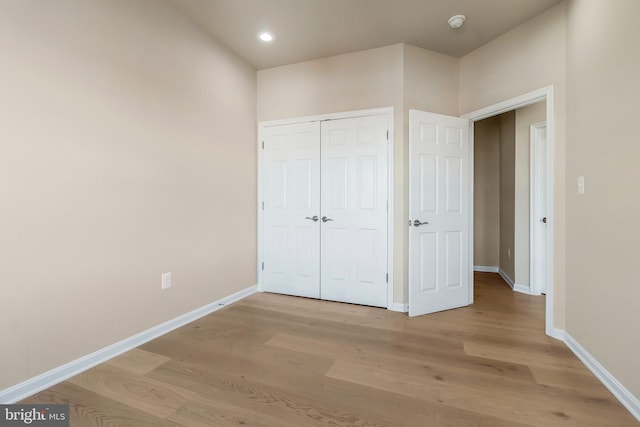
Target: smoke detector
(456,21)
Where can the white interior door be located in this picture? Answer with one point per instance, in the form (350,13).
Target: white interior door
(291,227)
(439,184)
(539,214)
(354,210)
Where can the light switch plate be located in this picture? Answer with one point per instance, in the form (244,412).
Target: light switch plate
(166,281)
(581,185)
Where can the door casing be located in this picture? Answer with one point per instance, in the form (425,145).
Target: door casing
(389,112)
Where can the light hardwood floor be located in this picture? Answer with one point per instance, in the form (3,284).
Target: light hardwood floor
(273,360)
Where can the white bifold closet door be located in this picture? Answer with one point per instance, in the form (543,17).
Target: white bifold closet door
(291,194)
(324,187)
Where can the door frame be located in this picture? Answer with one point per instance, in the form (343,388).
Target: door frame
(534,245)
(387,111)
(543,94)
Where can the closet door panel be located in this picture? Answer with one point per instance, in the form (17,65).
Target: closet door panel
(291,192)
(354,210)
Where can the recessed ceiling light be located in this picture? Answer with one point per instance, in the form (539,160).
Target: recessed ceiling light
(456,21)
(265,36)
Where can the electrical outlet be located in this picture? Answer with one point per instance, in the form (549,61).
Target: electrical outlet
(166,280)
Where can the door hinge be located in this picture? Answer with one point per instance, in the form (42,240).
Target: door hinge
(387,206)
(387,135)
(387,277)
(263,266)
(262,205)
(263,145)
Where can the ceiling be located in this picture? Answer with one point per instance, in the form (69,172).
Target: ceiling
(311,29)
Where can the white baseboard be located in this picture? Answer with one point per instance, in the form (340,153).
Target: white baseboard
(631,402)
(43,381)
(485,269)
(555,333)
(506,278)
(399,307)
(523,289)
(515,286)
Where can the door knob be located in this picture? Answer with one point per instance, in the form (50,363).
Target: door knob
(544,220)
(417,223)
(325,219)
(312,218)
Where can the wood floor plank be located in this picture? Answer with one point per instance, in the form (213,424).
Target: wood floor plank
(154,397)
(573,380)
(138,361)
(453,417)
(507,354)
(227,324)
(318,308)
(87,408)
(202,411)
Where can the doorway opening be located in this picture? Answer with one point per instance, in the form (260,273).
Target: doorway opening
(537,274)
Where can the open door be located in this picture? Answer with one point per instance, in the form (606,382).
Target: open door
(539,217)
(439,185)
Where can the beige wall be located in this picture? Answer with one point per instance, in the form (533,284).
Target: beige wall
(430,82)
(603,295)
(117,163)
(486,193)
(525,117)
(507,161)
(398,76)
(365,79)
(529,57)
